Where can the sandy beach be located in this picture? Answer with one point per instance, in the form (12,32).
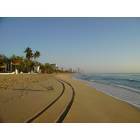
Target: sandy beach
(91,105)
(46,98)
(22,96)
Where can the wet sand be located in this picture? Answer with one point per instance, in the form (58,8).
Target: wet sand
(91,105)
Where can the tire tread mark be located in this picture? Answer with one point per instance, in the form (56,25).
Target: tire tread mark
(47,107)
(68,107)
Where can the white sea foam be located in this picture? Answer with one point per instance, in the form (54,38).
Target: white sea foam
(118,92)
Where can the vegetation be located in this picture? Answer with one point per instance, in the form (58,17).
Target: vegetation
(48,68)
(36,55)
(29,53)
(27,64)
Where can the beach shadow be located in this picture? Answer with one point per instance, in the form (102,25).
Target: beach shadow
(36,90)
(28,90)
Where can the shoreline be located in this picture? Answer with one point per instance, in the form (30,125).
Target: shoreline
(98,87)
(98,106)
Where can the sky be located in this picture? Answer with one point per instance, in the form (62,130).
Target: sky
(106,45)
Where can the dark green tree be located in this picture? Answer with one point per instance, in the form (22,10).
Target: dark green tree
(29,53)
(36,54)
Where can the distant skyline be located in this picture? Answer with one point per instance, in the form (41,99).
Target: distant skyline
(107,45)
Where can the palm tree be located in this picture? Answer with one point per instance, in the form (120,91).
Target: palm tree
(36,65)
(29,56)
(29,53)
(36,54)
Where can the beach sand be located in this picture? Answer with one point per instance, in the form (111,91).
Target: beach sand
(91,105)
(23,96)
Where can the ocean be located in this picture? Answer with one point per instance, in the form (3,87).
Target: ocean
(128,81)
(125,87)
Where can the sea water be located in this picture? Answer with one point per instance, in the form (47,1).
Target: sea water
(125,87)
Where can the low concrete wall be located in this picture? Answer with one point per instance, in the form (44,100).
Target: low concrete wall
(6,73)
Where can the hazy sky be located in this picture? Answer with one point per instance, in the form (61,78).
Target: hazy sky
(93,44)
